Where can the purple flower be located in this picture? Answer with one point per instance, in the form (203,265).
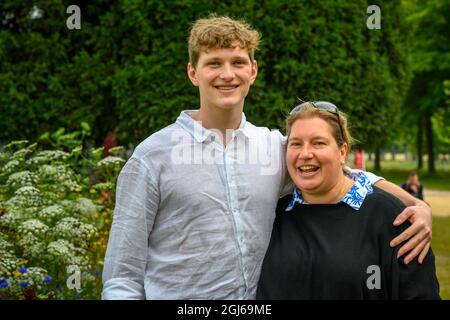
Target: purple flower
(4,284)
(98,272)
(23,270)
(48,279)
(24,284)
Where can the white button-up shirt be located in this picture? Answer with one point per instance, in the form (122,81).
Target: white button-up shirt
(193,218)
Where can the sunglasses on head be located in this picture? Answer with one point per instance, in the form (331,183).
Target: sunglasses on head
(322,105)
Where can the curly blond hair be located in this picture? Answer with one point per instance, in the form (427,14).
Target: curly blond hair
(218,32)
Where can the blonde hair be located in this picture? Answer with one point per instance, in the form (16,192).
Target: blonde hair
(310,111)
(219,32)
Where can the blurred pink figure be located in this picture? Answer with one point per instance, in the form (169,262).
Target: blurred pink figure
(110,142)
(359,159)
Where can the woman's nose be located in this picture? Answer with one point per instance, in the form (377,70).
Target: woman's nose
(305,152)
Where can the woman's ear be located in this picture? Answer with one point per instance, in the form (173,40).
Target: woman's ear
(344,153)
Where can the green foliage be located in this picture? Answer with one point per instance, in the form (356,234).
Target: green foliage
(429,49)
(53,215)
(126,67)
(398,171)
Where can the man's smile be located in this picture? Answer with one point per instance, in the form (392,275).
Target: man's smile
(226,88)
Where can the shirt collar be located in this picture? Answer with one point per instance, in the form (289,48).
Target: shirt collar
(199,132)
(353,198)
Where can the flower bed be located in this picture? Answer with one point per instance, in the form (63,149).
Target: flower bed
(55,215)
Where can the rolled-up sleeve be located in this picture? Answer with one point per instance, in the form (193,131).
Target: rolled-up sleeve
(355,173)
(137,200)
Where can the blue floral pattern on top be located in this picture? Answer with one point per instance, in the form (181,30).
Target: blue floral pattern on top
(354,197)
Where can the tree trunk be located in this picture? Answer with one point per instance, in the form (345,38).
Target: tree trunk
(429,135)
(377,163)
(419,144)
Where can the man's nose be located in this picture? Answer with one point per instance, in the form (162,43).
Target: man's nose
(227,72)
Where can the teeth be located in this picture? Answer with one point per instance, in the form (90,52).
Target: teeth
(226,88)
(306,168)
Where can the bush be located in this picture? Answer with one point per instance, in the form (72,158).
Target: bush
(55,215)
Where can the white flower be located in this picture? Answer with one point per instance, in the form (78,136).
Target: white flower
(20,154)
(58,173)
(53,155)
(12,216)
(52,213)
(4,245)
(72,185)
(8,263)
(27,196)
(110,161)
(22,178)
(31,245)
(10,166)
(34,227)
(27,191)
(61,176)
(77,260)
(86,207)
(60,247)
(73,229)
(33,275)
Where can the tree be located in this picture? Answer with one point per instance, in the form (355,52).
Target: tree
(126,67)
(430,58)
(50,76)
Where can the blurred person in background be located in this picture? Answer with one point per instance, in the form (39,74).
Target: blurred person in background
(413,185)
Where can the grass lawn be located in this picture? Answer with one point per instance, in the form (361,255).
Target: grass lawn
(441,249)
(398,172)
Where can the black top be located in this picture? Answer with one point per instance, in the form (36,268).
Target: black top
(419,194)
(331,251)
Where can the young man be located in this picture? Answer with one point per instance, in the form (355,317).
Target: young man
(196,201)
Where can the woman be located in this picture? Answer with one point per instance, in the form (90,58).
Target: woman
(330,238)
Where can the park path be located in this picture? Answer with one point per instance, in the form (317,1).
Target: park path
(439,202)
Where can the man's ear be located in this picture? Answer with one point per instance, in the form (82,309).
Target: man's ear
(192,74)
(254,71)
